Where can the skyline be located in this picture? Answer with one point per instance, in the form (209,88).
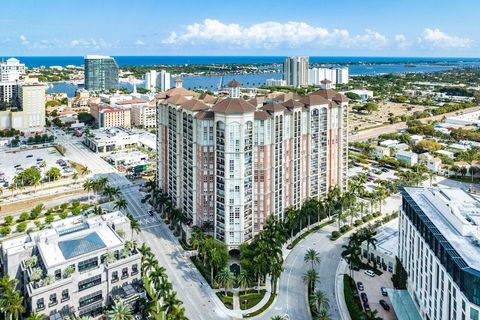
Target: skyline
(218,29)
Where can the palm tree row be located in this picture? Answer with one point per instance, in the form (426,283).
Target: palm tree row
(319,305)
(164,304)
(95,185)
(352,251)
(263,255)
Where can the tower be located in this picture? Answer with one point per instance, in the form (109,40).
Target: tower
(234,89)
(178,82)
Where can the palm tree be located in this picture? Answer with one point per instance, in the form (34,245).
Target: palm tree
(351,254)
(130,245)
(197,238)
(85,171)
(312,256)
(149,262)
(225,279)
(120,311)
(372,315)
(35,316)
(310,278)
(111,192)
(323,315)
(368,235)
(120,204)
(88,185)
(109,257)
(134,224)
(277,318)
(319,300)
(243,280)
(292,216)
(13,305)
(145,250)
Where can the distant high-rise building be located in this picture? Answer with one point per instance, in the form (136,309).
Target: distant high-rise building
(335,75)
(275,82)
(157,81)
(295,71)
(11,70)
(101,73)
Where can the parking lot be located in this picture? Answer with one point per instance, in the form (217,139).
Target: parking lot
(24,159)
(372,287)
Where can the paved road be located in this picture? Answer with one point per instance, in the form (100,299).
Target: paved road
(375,132)
(292,299)
(199,299)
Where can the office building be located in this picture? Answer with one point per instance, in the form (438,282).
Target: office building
(72,276)
(230,164)
(11,70)
(439,246)
(107,116)
(111,139)
(157,81)
(8,92)
(295,71)
(101,73)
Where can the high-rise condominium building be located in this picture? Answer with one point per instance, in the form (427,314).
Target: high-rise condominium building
(11,70)
(230,164)
(157,81)
(335,75)
(439,247)
(295,71)
(71,275)
(101,73)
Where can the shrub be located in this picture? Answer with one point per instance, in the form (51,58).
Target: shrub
(345,228)
(8,220)
(23,217)
(64,206)
(76,211)
(335,235)
(358,222)
(49,219)
(5,231)
(63,214)
(22,226)
(377,214)
(75,204)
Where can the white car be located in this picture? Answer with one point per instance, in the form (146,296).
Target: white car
(370,273)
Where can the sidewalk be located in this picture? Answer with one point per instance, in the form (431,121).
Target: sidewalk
(339,294)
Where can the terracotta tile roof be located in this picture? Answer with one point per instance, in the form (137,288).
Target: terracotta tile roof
(233,84)
(194,105)
(285,96)
(177,99)
(273,107)
(261,115)
(231,105)
(174,92)
(314,100)
(293,104)
(340,98)
(205,115)
(178,79)
(207,98)
(326,93)
(325,81)
(257,101)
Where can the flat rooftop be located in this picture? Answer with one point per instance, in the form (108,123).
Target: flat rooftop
(456,214)
(387,238)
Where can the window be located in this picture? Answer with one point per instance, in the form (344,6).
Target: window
(65,295)
(124,273)
(90,282)
(114,276)
(40,304)
(53,299)
(89,299)
(87,264)
(134,269)
(58,274)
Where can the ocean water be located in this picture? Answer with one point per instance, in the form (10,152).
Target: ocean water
(356,65)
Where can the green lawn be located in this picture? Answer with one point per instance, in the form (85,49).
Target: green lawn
(251,299)
(227,300)
(352,298)
(263,308)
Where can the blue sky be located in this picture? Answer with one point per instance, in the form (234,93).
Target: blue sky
(320,28)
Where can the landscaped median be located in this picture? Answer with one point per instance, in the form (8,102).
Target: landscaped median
(346,228)
(226,299)
(262,309)
(352,299)
(250,298)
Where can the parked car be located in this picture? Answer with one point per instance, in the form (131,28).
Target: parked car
(384,305)
(30,156)
(366,307)
(151,213)
(355,268)
(384,291)
(360,286)
(364,297)
(370,273)
(384,170)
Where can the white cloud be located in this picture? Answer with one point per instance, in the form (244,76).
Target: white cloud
(90,43)
(140,43)
(439,39)
(402,41)
(24,39)
(271,35)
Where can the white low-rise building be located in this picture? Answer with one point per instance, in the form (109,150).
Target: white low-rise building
(439,248)
(144,115)
(434,164)
(276,83)
(466,119)
(386,248)
(111,139)
(381,152)
(389,143)
(446,153)
(364,94)
(407,157)
(76,277)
